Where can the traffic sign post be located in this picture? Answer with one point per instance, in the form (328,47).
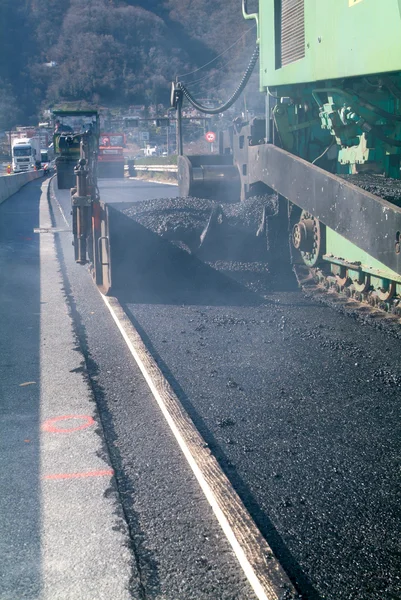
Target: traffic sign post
(210,137)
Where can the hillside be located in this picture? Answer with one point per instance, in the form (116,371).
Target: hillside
(116,53)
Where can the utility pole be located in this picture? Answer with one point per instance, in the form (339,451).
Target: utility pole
(179,125)
(176,102)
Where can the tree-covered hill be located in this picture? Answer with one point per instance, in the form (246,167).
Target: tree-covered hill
(116,53)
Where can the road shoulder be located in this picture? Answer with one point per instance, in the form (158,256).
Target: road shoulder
(63,530)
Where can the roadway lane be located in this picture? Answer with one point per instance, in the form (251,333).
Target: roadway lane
(62,532)
(179,548)
(300,405)
(20,496)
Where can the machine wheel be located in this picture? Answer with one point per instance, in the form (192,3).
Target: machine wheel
(308,237)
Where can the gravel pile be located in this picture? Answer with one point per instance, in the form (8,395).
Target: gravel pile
(182,220)
(175,219)
(386,188)
(249,214)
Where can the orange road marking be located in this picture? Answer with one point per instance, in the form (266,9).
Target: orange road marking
(79,475)
(49,424)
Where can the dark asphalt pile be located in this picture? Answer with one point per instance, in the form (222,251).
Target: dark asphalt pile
(249,214)
(158,242)
(386,188)
(174,219)
(184,220)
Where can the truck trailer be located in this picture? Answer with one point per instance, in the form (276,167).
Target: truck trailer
(25,154)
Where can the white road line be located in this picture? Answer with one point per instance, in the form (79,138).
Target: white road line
(262,570)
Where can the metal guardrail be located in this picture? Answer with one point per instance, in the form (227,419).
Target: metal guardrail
(155,168)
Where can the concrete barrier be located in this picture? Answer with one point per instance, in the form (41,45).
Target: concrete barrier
(10,184)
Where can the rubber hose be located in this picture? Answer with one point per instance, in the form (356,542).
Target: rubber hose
(234,97)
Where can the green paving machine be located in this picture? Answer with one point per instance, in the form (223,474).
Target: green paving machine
(72,127)
(329,143)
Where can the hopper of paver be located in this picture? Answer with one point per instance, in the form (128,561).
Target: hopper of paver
(145,244)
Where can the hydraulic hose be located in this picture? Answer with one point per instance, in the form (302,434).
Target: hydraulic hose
(379,111)
(219,109)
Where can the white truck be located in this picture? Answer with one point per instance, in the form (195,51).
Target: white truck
(25,154)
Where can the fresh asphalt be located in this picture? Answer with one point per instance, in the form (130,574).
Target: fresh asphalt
(180,551)
(299,403)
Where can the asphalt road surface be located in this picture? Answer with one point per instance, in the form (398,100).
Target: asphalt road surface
(299,403)
(62,531)
(179,549)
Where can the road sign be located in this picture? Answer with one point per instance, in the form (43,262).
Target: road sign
(210,137)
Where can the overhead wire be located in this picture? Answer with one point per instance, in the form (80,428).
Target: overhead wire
(218,56)
(211,74)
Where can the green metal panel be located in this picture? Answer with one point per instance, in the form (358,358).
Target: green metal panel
(343,38)
(338,246)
